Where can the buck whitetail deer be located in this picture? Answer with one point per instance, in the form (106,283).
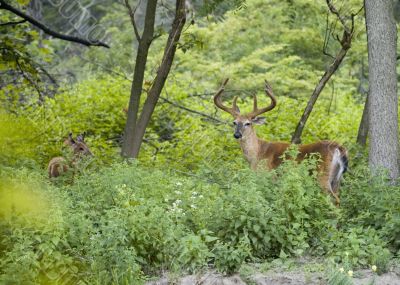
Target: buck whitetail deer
(59,165)
(333,157)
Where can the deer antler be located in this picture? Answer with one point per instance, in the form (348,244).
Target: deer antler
(270,94)
(234,111)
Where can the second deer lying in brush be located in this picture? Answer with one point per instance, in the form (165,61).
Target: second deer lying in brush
(59,165)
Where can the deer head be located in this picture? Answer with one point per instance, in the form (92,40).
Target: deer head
(244,122)
(78,146)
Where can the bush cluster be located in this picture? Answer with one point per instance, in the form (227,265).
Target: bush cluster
(125,222)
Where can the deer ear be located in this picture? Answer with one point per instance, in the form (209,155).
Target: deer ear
(259,120)
(81,138)
(70,139)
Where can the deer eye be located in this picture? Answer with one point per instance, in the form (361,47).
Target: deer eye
(247,124)
(234,123)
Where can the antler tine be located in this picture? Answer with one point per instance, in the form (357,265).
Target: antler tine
(255,102)
(270,94)
(234,105)
(218,101)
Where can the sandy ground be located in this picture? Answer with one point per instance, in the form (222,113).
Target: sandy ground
(362,277)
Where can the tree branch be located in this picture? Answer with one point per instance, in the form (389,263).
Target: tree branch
(132,16)
(328,32)
(29,80)
(191,110)
(336,12)
(47,30)
(12,23)
(345,43)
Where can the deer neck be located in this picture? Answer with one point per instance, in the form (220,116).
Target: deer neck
(250,145)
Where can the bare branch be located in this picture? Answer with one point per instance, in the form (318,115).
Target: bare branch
(29,80)
(338,15)
(47,30)
(52,79)
(359,11)
(156,36)
(12,23)
(345,42)
(191,111)
(132,16)
(328,32)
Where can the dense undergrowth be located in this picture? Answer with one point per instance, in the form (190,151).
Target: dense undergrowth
(189,203)
(126,221)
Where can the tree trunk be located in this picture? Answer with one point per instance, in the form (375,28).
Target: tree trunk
(162,74)
(345,43)
(383,102)
(138,78)
(296,138)
(364,125)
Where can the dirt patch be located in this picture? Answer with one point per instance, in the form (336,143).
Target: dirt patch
(205,279)
(390,278)
(292,278)
(361,277)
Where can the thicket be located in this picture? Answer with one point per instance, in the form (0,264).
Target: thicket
(127,221)
(190,202)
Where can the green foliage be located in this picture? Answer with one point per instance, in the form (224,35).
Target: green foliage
(127,221)
(359,246)
(22,58)
(337,277)
(229,258)
(190,202)
(195,253)
(375,204)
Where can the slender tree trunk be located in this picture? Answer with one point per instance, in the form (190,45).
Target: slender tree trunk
(138,78)
(345,43)
(162,74)
(296,138)
(383,101)
(364,125)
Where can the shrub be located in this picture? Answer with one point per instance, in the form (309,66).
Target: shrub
(229,258)
(360,247)
(126,221)
(373,202)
